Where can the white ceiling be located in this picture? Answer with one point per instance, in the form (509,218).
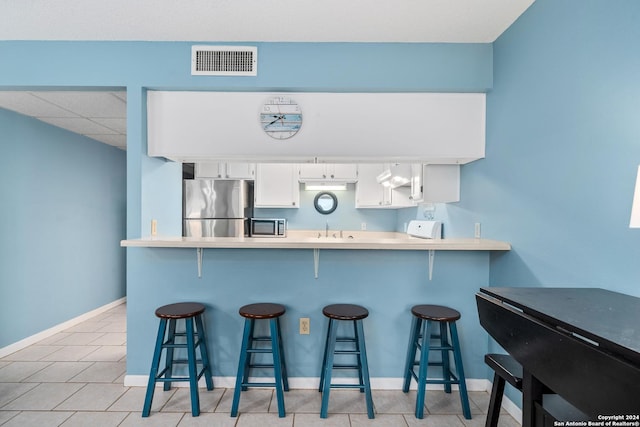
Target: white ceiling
(101,115)
(426,21)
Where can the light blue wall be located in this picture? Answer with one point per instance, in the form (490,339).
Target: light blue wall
(62,216)
(563,146)
(387,282)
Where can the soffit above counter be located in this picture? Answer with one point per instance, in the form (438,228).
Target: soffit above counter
(435,128)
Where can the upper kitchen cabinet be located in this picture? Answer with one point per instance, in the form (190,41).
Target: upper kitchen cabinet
(328,171)
(225,170)
(441,183)
(429,128)
(276,186)
(371,194)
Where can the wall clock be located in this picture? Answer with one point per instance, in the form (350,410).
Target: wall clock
(280,117)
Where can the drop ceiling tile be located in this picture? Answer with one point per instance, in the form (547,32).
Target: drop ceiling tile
(28,104)
(88,104)
(119,141)
(79,125)
(121,95)
(118,125)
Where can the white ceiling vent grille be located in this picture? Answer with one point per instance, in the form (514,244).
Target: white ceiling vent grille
(224,61)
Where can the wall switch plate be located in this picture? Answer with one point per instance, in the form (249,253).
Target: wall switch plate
(363,226)
(476,233)
(304,326)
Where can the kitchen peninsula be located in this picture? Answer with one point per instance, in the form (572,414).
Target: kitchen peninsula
(385,271)
(316,240)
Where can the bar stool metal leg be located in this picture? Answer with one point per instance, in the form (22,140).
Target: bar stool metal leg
(326,386)
(416,323)
(424,363)
(157,352)
(446,368)
(193,372)
(204,353)
(324,357)
(242,365)
(168,365)
(283,364)
(464,399)
(277,364)
(364,367)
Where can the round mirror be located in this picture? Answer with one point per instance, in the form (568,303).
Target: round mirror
(325,202)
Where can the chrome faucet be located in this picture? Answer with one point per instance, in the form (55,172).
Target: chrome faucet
(326,230)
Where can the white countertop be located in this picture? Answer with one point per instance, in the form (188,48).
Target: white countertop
(308,239)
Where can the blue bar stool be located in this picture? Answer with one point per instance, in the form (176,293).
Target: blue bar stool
(251,313)
(422,334)
(195,338)
(355,314)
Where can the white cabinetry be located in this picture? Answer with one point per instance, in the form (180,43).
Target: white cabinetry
(371,194)
(416,194)
(441,183)
(277,186)
(228,170)
(328,171)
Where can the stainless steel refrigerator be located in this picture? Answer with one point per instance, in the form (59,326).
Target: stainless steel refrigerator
(216,207)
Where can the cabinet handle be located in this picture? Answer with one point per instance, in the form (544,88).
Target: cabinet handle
(293,203)
(333,176)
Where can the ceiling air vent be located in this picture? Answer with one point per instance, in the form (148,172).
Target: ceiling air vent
(224,61)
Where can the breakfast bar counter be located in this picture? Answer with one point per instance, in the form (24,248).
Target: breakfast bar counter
(316,240)
(310,240)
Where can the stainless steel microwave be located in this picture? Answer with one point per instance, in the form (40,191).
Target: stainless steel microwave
(268,227)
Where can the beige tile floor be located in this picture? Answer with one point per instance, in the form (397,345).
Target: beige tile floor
(75,378)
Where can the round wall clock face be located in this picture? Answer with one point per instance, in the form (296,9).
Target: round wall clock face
(280,117)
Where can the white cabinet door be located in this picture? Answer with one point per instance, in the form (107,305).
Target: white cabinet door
(209,170)
(343,172)
(416,182)
(441,183)
(228,170)
(237,170)
(346,172)
(369,193)
(313,171)
(276,185)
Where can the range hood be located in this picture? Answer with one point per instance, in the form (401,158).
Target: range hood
(396,175)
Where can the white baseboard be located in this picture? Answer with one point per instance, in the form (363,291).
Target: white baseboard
(311,383)
(12,348)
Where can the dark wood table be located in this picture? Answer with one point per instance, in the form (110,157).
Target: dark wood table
(581,343)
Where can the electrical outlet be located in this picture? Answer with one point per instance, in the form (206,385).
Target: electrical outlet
(477,231)
(363,226)
(304,326)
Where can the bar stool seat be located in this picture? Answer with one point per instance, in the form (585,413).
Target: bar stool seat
(261,311)
(424,317)
(190,312)
(353,313)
